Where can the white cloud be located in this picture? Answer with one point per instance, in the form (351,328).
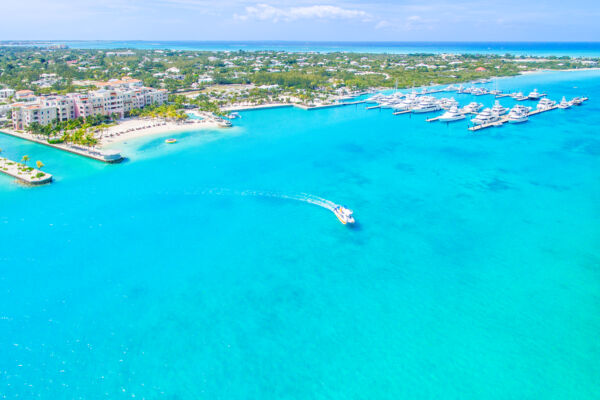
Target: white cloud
(266,12)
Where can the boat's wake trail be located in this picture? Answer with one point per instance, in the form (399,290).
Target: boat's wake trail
(303,197)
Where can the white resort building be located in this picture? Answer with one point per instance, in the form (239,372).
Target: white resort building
(112,97)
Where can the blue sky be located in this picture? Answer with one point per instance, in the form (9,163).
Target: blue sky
(339,20)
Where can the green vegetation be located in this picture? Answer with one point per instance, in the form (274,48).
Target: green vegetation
(166,111)
(77,131)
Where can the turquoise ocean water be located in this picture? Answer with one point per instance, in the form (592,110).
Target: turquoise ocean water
(188,272)
(577,49)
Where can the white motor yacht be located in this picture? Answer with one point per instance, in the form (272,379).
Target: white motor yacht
(545,104)
(519,96)
(498,109)
(535,95)
(518,114)
(564,104)
(453,114)
(472,107)
(485,117)
(427,104)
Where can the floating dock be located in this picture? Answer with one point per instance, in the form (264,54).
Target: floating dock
(24,173)
(104,156)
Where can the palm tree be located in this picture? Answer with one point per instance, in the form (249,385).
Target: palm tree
(39,164)
(25,159)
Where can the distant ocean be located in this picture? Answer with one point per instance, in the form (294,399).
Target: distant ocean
(577,49)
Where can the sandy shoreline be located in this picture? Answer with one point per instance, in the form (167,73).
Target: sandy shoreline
(133,128)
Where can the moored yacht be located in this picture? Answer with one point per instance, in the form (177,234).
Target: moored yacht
(344,215)
(535,95)
(519,96)
(427,104)
(447,104)
(453,114)
(518,114)
(498,109)
(485,117)
(472,107)
(545,104)
(564,104)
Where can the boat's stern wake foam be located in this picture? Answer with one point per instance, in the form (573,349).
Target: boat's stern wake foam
(303,197)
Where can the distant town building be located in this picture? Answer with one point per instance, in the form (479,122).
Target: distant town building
(6,93)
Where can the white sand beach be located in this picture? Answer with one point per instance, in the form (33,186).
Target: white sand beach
(131,128)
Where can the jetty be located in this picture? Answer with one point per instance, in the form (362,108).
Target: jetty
(504,119)
(99,155)
(401,112)
(24,173)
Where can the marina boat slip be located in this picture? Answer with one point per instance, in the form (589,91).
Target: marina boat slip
(485,117)
(451,115)
(498,109)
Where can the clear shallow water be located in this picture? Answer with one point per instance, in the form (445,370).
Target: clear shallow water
(579,49)
(473,272)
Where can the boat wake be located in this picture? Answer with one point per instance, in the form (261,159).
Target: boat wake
(303,197)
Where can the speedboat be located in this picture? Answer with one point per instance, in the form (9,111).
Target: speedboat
(451,115)
(472,107)
(518,114)
(485,117)
(564,104)
(427,104)
(344,215)
(535,95)
(498,109)
(545,104)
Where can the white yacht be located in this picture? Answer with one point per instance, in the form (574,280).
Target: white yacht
(498,109)
(485,117)
(495,92)
(518,114)
(479,91)
(545,104)
(447,104)
(408,103)
(427,104)
(519,96)
(564,104)
(535,95)
(453,114)
(472,107)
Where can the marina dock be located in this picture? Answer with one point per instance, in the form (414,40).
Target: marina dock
(24,173)
(99,155)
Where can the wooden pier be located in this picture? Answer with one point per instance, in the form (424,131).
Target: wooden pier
(373,107)
(401,112)
(24,173)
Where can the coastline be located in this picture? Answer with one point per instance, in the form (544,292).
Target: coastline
(133,128)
